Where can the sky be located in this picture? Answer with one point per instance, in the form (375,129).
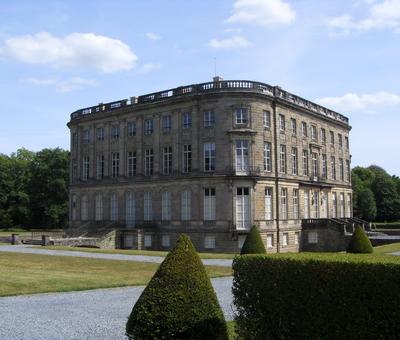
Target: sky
(60,56)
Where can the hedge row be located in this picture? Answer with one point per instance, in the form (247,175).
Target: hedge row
(316,297)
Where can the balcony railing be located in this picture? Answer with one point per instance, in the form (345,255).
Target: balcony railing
(245,170)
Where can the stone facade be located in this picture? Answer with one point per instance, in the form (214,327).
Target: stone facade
(209,160)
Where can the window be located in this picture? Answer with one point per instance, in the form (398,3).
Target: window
(74,204)
(99,207)
(268,203)
(209,242)
(165,241)
(305,163)
(267,119)
(187,120)
(166,206)
(148,206)
(348,205)
(332,137)
(187,158)
(148,162)
(209,204)
(295,204)
(86,136)
(341,205)
(282,123)
(100,167)
(147,241)
(270,241)
(312,237)
(334,205)
(208,119)
(296,237)
(131,163)
(84,208)
(148,126)
(323,136)
(267,157)
(186,205)
(282,159)
(333,168)
(294,161)
(131,127)
(304,129)
(293,126)
(346,139)
(306,203)
(285,239)
(100,134)
(324,167)
(243,215)
(114,207)
(85,168)
(284,212)
(115,131)
(242,155)
(313,133)
(315,204)
(74,169)
(348,171)
(341,169)
(166,123)
(340,140)
(130,209)
(209,156)
(75,139)
(167,160)
(315,164)
(242,116)
(115,165)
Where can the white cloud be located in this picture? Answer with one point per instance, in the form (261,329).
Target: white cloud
(68,85)
(382,15)
(229,43)
(267,13)
(368,103)
(152,36)
(76,50)
(148,67)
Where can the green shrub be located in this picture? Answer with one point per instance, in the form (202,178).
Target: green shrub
(179,302)
(359,242)
(316,297)
(253,243)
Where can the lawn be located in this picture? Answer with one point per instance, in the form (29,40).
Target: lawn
(30,274)
(388,248)
(137,252)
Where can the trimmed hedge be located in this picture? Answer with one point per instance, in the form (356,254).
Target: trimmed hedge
(359,242)
(253,243)
(316,297)
(179,302)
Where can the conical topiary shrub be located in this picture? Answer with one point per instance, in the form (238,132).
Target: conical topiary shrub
(179,302)
(359,242)
(253,243)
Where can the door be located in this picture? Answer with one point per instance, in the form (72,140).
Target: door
(243,207)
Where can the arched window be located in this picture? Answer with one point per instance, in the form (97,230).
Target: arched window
(84,208)
(130,209)
(114,207)
(99,207)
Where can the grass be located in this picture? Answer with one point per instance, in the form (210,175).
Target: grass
(231,329)
(137,252)
(31,274)
(387,248)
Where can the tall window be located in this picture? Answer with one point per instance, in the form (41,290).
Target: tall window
(315,164)
(187,120)
(99,207)
(305,163)
(315,204)
(293,126)
(324,205)
(341,204)
(167,160)
(348,205)
(208,119)
(115,164)
(282,125)
(74,204)
(340,140)
(282,158)
(267,157)
(346,139)
(268,203)
(284,211)
(84,208)
(166,206)
(243,215)
(100,133)
(131,127)
(131,163)
(86,136)
(100,167)
(323,136)
(130,209)
(332,137)
(187,158)
(334,205)
(348,171)
(294,161)
(306,203)
(114,207)
(313,133)
(85,168)
(242,116)
(267,119)
(148,126)
(324,167)
(148,206)
(304,129)
(209,204)
(166,123)
(242,155)
(148,162)
(115,131)
(186,205)
(333,167)
(209,156)
(295,204)
(341,169)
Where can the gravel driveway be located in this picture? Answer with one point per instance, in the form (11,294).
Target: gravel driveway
(93,314)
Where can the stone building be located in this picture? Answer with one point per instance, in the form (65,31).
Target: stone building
(210,160)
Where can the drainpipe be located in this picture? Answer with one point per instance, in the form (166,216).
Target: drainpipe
(275,131)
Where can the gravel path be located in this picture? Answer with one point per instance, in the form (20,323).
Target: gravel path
(138,258)
(93,314)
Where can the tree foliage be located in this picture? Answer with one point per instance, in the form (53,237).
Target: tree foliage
(253,243)
(359,242)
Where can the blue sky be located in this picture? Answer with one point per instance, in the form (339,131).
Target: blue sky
(59,56)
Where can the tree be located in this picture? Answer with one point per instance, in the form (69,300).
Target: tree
(386,197)
(359,242)
(253,243)
(366,205)
(179,302)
